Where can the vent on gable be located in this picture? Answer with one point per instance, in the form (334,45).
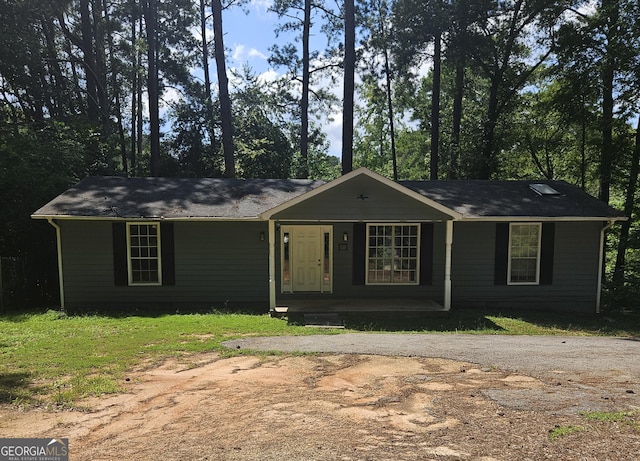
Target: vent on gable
(543,189)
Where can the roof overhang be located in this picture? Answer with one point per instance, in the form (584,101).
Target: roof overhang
(543,218)
(146,218)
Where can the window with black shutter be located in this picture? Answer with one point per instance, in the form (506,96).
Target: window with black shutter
(524,253)
(143,254)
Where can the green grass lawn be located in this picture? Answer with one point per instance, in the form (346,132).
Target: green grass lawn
(54,359)
(59,359)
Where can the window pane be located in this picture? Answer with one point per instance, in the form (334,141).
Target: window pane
(326,273)
(392,254)
(144,253)
(286,274)
(524,253)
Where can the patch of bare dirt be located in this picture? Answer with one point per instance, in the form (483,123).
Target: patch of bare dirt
(338,407)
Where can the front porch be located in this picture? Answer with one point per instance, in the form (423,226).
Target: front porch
(357,305)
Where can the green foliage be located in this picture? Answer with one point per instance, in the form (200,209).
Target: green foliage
(563,431)
(190,144)
(472,321)
(37,162)
(630,419)
(610,417)
(606,418)
(323,165)
(263,149)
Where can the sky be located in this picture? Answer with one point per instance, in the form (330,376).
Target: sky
(248,38)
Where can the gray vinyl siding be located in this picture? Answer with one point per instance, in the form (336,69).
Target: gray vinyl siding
(215,264)
(575,270)
(377,202)
(218,263)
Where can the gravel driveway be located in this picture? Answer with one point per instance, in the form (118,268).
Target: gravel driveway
(615,358)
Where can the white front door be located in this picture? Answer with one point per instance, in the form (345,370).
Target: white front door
(306,258)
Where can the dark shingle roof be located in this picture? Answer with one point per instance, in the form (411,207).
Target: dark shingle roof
(478,199)
(114,197)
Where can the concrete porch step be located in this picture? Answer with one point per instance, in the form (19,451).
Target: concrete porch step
(323,320)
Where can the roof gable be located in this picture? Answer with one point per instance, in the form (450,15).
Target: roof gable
(361,195)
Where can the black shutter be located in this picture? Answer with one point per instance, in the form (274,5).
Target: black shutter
(501,260)
(120,269)
(359,252)
(426,254)
(168,254)
(546,253)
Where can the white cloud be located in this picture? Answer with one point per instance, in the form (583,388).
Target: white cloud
(253,53)
(332,125)
(238,51)
(262,5)
(170,96)
(333,131)
(268,76)
(242,54)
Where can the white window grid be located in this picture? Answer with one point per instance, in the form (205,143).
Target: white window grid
(524,253)
(143,251)
(392,254)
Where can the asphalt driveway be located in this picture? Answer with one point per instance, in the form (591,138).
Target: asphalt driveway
(614,359)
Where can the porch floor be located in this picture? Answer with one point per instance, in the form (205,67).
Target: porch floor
(401,305)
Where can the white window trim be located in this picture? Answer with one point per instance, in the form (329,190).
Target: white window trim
(129,268)
(418,252)
(537,281)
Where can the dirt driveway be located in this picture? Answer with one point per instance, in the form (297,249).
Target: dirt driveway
(337,406)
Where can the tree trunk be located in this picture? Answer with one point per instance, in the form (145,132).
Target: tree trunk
(61,106)
(150,11)
(606,153)
(97,8)
(134,90)
(435,107)
(388,79)
(457,120)
(349,85)
(223,92)
(392,127)
(612,15)
(304,101)
(583,149)
(487,161)
(93,110)
(118,107)
(77,97)
(634,170)
(139,120)
(207,78)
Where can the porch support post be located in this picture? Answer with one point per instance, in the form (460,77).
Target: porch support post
(272,265)
(447,266)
